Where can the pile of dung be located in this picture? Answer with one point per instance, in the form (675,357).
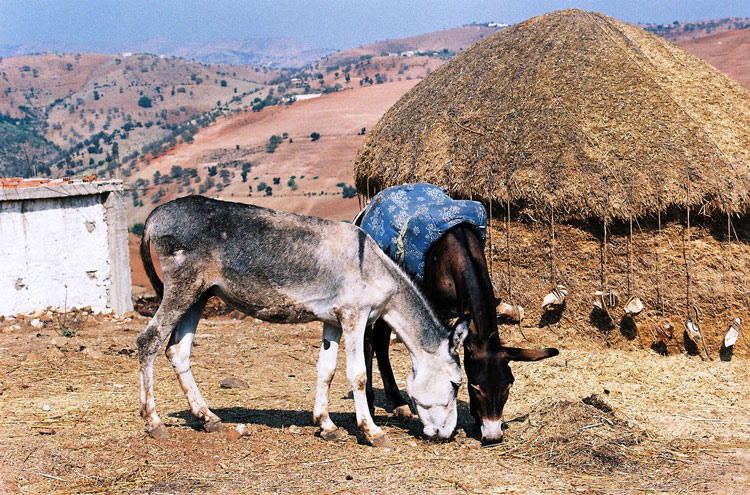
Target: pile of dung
(585,435)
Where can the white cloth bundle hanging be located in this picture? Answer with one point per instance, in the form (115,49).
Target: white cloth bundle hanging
(555,299)
(513,312)
(732,334)
(634,306)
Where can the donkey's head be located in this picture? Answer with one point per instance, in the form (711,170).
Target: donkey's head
(490,380)
(433,386)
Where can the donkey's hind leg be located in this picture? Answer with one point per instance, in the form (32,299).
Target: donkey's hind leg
(173,307)
(326,368)
(178,353)
(381,340)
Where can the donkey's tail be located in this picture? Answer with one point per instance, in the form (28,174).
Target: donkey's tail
(148,263)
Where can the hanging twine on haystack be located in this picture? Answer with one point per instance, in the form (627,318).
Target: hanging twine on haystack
(686,252)
(630,254)
(604,244)
(553,266)
(693,325)
(659,298)
(507,244)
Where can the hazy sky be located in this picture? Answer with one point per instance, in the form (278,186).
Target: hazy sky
(321,23)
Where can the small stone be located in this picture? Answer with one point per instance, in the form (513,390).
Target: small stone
(46,407)
(349,477)
(46,432)
(294,429)
(36,323)
(55,352)
(233,382)
(411,443)
(93,353)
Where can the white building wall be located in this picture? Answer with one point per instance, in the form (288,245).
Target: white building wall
(53,253)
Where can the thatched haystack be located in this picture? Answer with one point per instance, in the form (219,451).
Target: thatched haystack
(573,124)
(574,111)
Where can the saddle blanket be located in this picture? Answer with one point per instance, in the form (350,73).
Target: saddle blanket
(405,221)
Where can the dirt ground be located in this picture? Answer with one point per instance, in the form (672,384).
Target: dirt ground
(69,409)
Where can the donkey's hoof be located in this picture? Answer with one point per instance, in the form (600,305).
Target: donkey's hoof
(382,442)
(213,426)
(159,433)
(334,434)
(403,412)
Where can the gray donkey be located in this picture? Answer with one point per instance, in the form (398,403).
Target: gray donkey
(288,268)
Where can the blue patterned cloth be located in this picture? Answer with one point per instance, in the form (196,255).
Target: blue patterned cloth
(405,221)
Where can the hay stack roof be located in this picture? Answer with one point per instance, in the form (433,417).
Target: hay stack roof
(574,110)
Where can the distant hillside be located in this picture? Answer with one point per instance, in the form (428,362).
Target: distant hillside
(23,151)
(728,51)
(267,52)
(270,158)
(104,109)
(448,42)
(105,112)
(684,31)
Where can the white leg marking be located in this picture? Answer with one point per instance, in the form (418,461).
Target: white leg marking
(179,355)
(326,369)
(147,357)
(356,371)
(148,405)
(150,342)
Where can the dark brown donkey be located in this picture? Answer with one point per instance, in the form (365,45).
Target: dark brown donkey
(457,282)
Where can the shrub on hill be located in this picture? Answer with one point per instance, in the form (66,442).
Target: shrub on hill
(273,143)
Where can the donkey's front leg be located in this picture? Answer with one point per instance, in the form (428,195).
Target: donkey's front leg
(354,333)
(326,368)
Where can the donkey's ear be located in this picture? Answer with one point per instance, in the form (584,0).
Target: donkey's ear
(516,354)
(458,334)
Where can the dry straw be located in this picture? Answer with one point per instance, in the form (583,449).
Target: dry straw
(539,113)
